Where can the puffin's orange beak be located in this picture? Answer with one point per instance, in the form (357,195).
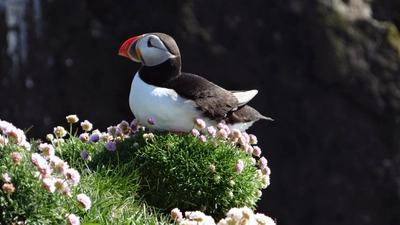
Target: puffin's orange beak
(128,49)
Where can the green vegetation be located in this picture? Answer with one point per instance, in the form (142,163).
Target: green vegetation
(127,175)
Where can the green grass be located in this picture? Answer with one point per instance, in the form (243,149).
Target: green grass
(115,198)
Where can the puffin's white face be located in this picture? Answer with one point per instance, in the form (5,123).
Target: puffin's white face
(152,51)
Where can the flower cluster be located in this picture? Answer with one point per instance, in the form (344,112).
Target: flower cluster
(53,173)
(114,133)
(56,174)
(235,216)
(9,133)
(247,142)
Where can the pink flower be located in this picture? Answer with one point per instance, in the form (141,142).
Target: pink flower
(176,215)
(243,141)
(6,178)
(59,165)
(84,200)
(239,166)
(212,168)
(249,149)
(222,134)
(266,171)
(221,126)
(202,138)
(37,160)
(253,139)
(200,123)
(14,134)
(262,163)
(195,132)
(26,145)
(66,191)
(211,131)
(246,136)
(45,169)
(256,151)
(41,164)
(72,219)
(16,157)
(47,149)
(49,185)
(236,133)
(62,185)
(73,176)
(8,188)
(4,125)
(234,140)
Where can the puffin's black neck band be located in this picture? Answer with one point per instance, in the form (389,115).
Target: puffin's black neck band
(162,73)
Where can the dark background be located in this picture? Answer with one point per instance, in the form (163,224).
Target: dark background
(327,71)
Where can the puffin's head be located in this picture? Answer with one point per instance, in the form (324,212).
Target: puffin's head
(150,49)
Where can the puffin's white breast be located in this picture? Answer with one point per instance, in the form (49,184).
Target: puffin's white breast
(171,111)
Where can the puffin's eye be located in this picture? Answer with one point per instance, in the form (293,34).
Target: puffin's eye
(149,44)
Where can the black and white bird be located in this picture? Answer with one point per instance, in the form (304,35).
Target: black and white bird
(175,99)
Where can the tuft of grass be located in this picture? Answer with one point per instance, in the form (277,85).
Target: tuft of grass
(114,194)
(175,172)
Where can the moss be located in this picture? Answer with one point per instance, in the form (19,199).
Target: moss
(333,18)
(393,36)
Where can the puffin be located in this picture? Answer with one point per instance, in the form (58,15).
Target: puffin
(164,98)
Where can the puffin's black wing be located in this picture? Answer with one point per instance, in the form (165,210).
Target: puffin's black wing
(209,97)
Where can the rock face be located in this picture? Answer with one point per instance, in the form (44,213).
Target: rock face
(328,72)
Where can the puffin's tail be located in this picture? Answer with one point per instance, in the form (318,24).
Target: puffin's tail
(244,96)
